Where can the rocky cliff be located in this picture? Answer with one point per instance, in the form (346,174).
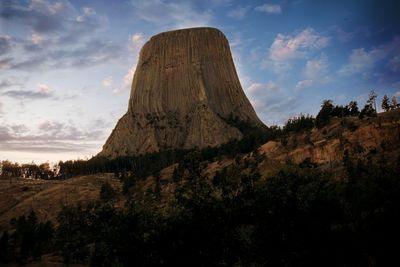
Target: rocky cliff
(368,139)
(183,93)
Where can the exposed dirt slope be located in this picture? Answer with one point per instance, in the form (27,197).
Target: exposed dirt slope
(19,196)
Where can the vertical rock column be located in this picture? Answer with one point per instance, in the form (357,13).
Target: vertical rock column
(184,90)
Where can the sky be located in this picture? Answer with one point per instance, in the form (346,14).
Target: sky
(66,66)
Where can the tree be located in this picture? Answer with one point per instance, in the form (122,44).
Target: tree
(385,103)
(4,247)
(107,193)
(353,107)
(372,99)
(369,110)
(324,114)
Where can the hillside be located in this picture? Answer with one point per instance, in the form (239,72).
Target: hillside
(19,196)
(371,139)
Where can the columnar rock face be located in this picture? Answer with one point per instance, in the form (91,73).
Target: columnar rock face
(184,91)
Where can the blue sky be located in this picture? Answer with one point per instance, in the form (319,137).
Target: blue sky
(66,66)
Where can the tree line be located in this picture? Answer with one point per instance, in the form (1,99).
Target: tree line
(299,216)
(29,170)
(152,163)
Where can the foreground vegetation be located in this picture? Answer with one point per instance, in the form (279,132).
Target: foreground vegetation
(152,163)
(298,217)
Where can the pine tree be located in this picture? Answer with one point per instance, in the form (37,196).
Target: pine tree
(353,107)
(324,114)
(385,103)
(371,99)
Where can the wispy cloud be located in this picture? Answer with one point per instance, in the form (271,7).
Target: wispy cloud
(317,68)
(271,102)
(316,72)
(303,84)
(107,82)
(42,16)
(136,40)
(269,8)
(52,136)
(62,36)
(9,82)
(43,91)
(363,61)
(238,12)
(5,44)
(286,47)
(126,82)
(171,14)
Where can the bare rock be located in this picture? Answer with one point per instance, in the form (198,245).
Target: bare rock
(184,91)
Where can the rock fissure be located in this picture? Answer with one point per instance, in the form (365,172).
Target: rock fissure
(184,90)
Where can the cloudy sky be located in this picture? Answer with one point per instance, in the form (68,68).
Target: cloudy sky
(66,65)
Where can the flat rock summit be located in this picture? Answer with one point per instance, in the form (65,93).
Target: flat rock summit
(184,94)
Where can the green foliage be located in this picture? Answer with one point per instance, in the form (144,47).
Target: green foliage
(296,124)
(4,247)
(372,99)
(74,233)
(367,111)
(107,193)
(385,103)
(128,182)
(353,108)
(148,164)
(31,237)
(324,114)
(299,216)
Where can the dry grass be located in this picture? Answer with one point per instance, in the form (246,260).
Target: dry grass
(19,196)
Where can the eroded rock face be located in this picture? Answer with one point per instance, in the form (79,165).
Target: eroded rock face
(184,90)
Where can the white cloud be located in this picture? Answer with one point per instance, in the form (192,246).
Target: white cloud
(44,88)
(47,7)
(269,8)
(394,64)
(290,47)
(315,72)
(238,12)
(316,68)
(271,102)
(129,76)
(12,82)
(5,43)
(126,82)
(176,14)
(87,13)
(107,82)
(362,61)
(260,94)
(36,38)
(301,85)
(136,41)
(268,87)
(137,38)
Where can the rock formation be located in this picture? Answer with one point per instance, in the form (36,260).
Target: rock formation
(183,93)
